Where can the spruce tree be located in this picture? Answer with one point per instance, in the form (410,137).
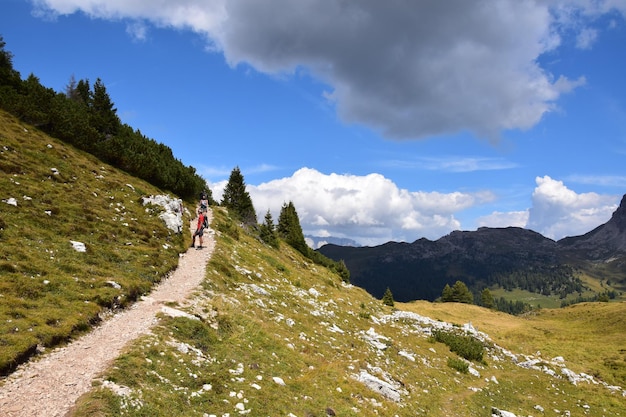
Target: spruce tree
(458,293)
(103,114)
(461,294)
(267,231)
(446,294)
(486,299)
(8,75)
(388,298)
(290,230)
(237,200)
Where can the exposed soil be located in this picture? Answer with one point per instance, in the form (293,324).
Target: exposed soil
(50,385)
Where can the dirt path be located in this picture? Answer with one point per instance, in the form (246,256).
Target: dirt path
(51,385)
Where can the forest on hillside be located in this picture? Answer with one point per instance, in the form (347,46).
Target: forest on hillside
(85,116)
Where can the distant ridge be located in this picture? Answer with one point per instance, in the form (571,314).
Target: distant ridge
(316,242)
(509,258)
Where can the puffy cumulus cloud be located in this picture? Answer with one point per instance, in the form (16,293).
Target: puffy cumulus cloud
(558,212)
(370,209)
(407,69)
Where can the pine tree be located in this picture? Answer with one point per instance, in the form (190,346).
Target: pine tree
(267,231)
(458,293)
(103,114)
(83,93)
(461,294)
(8,76)
(290,230)
(486,299)
(446,294)
(237,200)
(388,298)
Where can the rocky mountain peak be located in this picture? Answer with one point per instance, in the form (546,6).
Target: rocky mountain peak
(619,216)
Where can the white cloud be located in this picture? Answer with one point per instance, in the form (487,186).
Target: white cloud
(601,180)
(457,164)
(407,69)
(504,219)
(370,209)
(586,38)
(138,31)
(558,212)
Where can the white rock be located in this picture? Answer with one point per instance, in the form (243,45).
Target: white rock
(172,215)
(114,284)
(279,380)
(501,413)
(78,246)
(172,312)
(378,385)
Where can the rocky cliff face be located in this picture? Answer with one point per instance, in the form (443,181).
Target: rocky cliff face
(602,243)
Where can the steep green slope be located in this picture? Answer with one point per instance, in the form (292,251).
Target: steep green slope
(51,195)
(279,336)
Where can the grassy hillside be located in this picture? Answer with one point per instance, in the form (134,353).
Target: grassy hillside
(278,336)
(52,194)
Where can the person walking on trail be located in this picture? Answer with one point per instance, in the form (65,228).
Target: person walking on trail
(202,223)
(204,203)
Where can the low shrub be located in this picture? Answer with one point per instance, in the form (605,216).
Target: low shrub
(458,364)
(463,345)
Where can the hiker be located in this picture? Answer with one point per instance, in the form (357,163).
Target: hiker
(199,229)
(204,203)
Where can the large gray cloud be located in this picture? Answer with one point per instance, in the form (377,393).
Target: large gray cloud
(407,69)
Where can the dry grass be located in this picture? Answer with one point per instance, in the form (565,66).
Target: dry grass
(49,292)
(269,313)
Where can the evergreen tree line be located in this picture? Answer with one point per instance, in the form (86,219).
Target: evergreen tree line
(288,229)
(603,297)
(559,279)
(85,117)
(460,293)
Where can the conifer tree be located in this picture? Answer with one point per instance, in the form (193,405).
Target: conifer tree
(388,298)
(458,293)
(446,294)
(290,230)
(103,114)
(83,93)
(237,200)
(8,75)
(267,231)
(486,299)
(461,294)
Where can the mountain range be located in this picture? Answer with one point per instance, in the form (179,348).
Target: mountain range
(508,258)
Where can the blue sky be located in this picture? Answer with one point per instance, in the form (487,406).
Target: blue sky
(379,120)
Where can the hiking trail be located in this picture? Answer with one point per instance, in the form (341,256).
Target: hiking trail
(50,384)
